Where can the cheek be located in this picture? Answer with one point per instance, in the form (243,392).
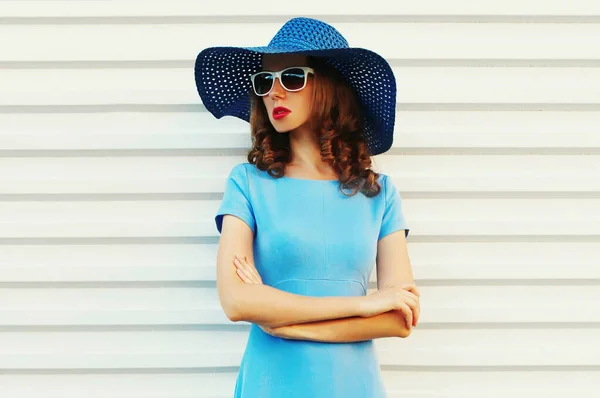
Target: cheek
(305,103)
(265,101)
(267,105)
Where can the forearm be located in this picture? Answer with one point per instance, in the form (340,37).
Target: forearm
(268,306)
(347,330)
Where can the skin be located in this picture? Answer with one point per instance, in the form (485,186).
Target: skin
(305,152)
(391,311)
(393,323)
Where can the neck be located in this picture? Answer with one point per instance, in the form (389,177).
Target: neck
(306,151)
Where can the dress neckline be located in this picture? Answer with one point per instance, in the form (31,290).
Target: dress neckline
(307,179)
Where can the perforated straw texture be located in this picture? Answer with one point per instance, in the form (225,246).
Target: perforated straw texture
(222,75)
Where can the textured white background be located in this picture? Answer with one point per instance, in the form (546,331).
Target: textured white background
(111,171)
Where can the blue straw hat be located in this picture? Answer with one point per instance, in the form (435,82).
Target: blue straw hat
(222,75)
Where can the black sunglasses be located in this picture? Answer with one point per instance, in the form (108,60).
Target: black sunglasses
(291,79)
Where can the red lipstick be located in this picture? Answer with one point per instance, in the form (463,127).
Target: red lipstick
(280,112)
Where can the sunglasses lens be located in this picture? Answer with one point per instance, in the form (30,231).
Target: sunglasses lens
(293,79)
(263,83)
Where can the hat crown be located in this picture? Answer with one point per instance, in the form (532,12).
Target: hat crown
(308,34)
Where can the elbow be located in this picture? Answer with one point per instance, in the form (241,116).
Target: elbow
(232,300)
(232,310)
(404,332)
(232,314)
(237,311)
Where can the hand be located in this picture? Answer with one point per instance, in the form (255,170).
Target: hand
(248,274)
(415,306)
(404,298)
(246,270)
(416,310)
(269,330)
(289,332)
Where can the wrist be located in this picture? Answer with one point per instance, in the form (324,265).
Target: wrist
(287,332)
(309,331)
(403,330)
(358,306)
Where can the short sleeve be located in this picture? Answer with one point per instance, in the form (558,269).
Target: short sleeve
(236,199)
(393,216)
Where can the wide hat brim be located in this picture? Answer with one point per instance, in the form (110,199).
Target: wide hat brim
(222,76)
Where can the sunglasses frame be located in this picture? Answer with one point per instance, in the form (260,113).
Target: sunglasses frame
(277,75)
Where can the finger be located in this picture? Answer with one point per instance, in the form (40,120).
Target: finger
(251,269)
(268,330)
(410,295)
(416,291)
(242,275)
(411,303)
(406,287)
(411,300)
(247,274)
(239,263)
(409,316)
(412,288)
(416,315)
(254,272)
(414,307)
(407,312)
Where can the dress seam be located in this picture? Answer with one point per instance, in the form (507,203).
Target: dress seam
(322,279)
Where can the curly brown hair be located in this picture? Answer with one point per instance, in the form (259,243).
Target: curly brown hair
(336,117)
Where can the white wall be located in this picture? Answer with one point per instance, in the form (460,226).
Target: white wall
(111,172)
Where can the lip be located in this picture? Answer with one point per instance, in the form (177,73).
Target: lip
(280,112)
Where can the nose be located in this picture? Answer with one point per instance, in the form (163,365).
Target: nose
(277,91)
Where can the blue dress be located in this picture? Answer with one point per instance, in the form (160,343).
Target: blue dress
(310,239)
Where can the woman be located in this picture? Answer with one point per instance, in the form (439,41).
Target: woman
(304,221)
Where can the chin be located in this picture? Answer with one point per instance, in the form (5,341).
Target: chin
(282,127)
(279,128)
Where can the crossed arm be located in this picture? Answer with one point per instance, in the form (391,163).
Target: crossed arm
(326,319)
(346,330)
